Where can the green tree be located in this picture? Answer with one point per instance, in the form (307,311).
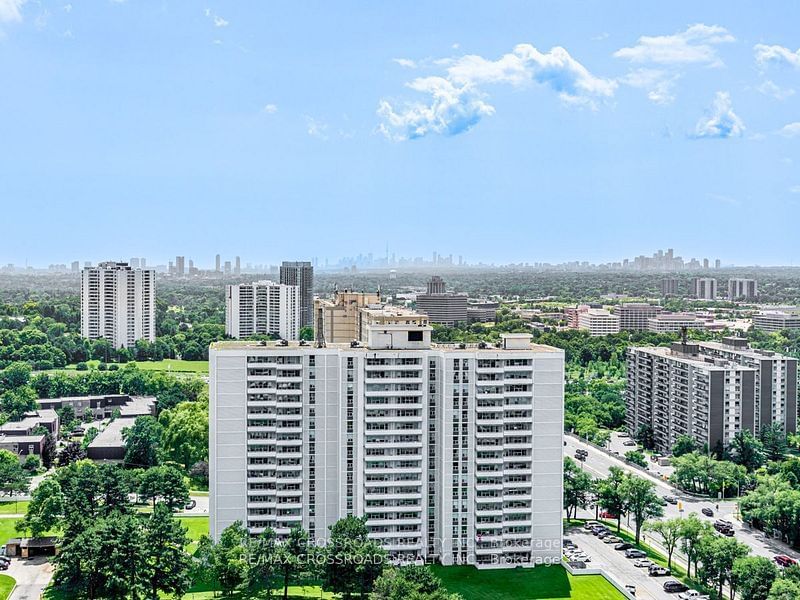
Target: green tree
(165,483)
(354,561)
(641,501)
(612,494)
(692,531)
(45,510)
(784,589)
(185,436)
(230,565)
(684,444)
(670,531)
(263,559)
(578,487)
(13,478)
(746,450)
(753,577)
(773,440)
(307,333)
(16,375)
(636,457)
(291,556)
(717,555)
(410,583)
(167,561)
(142,442)
(18,401)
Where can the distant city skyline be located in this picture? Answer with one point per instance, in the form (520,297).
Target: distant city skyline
(530,131)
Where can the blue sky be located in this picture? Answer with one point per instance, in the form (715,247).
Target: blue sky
(510,131)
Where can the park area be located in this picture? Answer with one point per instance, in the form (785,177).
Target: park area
(168,365)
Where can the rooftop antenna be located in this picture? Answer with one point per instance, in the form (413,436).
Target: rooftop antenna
(320,337)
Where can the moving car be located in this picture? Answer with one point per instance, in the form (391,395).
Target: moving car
(671,499)
(784,561)
(707,511)
(673,586)
(635,553)
(631,589)
(658,571)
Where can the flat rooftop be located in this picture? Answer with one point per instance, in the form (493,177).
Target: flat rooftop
(698,360)
(111,436)
(294,345)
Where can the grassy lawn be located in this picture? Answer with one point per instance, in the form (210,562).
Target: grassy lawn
(197,528)
(6,585)
(551,582)
(13,507)
(7,530)
(197,367)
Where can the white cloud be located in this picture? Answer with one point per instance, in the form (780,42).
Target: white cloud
(457,101)
(67,8)
(790,130)
(270,109)
(723,199)
(658,83)
(216,19)
(316,128)
(795,189)
(406,63)
(695,45)
(601,36)
(456,46)
(720,122)
(11,10)
(777,55)
(769,88)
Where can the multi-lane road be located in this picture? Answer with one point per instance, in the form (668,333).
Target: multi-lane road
(598,462)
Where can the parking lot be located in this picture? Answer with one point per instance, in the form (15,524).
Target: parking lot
(614,562)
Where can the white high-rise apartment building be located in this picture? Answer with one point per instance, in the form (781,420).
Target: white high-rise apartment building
(261,308)
(118,303)
(453,453)
(742,289)
(704,288)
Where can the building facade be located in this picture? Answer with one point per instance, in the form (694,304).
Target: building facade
(775,380)
(633,316)
(704,288)
(674,322)
(742,289)
(598,321)
(669,286)
(340,316)
(441,306)
(773,321)
(301,274)
(262,308)
(453,453)
(118,304)
(677,391)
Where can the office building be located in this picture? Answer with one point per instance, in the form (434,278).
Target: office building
(452,453)
(669,286)
(677,391)
(482,312)
(118,304)
(441,306)
(262,308)
(775,380)
(237,269)
(598,321)
(301,274)
(340,316)
(742,289)
(704,288)
(217,263)
(775,320)
(633,316)
(674,322)
(180,266)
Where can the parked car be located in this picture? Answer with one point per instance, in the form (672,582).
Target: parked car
(631,589)
(635,553)
(785,561)
(693,595)
(190,505)
(607,515)
(4,566)
(623,434)
(623,546)
(672,586)
(658,571)
(611,539)
(707,511)
(671,499)
(589,524)
(628,443)
(643,562)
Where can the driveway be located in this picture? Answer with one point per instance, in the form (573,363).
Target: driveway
(32,575)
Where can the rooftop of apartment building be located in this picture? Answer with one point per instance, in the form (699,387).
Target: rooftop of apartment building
(508,342)
(740,346)
(29,422)
(689,353)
